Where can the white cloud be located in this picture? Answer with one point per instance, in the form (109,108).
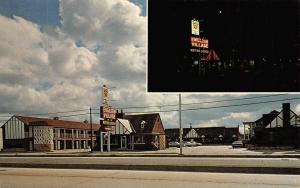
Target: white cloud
(103,22)
(240,115)
(44,70)
(231,120)
(297,109)
(68,60)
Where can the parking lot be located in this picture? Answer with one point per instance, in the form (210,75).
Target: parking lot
(225,150)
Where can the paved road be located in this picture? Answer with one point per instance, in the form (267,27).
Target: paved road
(234,165)
(169,161)
(61,178)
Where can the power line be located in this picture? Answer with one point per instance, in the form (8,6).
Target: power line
(216,101)
(208,102)
(74,115)
(223,106)
(45,114)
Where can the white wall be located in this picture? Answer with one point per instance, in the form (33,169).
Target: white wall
(14,129)
(43,135)
(1,140)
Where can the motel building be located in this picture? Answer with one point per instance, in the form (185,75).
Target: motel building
(205,135)
(131,132)
(22,133)
(135,132)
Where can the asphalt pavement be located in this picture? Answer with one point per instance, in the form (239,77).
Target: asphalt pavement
(234,165)
(61,178)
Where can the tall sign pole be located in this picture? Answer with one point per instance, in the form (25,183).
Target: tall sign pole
(108,114)
(180,128)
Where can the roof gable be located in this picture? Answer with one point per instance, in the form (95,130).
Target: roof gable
(278,120)
(137,119)
(267,118)
(192,134)
(158,127)
(123,126)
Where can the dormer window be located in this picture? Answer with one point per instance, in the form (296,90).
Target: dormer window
(143,124)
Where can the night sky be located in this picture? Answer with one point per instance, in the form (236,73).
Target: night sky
(256,29)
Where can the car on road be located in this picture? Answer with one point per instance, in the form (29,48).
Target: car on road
(174,144)
(237,144)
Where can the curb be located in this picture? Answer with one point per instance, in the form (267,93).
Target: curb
(216,169)
(154,155)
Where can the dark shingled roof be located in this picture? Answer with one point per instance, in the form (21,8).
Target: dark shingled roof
(136,120)
(267,118)
(56,123)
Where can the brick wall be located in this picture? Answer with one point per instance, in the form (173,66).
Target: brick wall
(43,147)
(162,141)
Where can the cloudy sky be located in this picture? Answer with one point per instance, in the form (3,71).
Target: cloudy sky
(55,56)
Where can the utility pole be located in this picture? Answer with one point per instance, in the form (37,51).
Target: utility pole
(244,132)
(91,129)
(180,129)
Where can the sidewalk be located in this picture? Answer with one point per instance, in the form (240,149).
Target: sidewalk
(201,151)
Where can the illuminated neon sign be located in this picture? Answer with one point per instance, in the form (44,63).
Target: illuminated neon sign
(198,42)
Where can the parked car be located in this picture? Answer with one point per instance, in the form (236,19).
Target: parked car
(174,144)
(237,144)
(190,143)
(194,143)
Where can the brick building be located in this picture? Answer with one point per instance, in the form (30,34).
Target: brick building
(23,133)
(149,131)
(277,129)
(43,134)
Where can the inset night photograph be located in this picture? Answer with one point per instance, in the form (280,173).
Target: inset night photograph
(223,46)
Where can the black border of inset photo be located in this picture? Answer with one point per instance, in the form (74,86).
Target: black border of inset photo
(253,46)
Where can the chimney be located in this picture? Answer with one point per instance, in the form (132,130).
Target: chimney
(56,118)
(120,115)
(286,114)
(264,120)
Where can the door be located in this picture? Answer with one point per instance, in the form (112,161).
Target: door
(123,142)
(30,146)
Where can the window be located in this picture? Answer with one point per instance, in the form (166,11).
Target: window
(139,139)
(143,124)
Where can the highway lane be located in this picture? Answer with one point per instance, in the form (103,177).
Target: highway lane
(62,178)
(167,161)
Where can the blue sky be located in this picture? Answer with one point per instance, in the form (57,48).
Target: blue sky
(43,12)
(142,4)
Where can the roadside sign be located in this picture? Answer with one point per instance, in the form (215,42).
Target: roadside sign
(195,27)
